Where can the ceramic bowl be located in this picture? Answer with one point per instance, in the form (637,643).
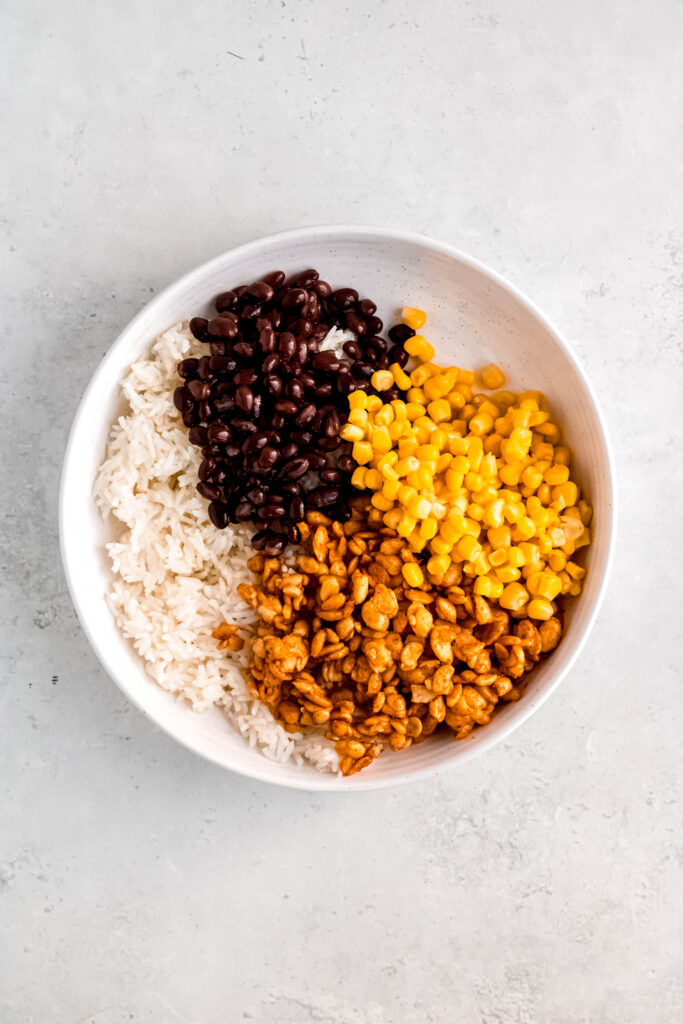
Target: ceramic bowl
(475,317)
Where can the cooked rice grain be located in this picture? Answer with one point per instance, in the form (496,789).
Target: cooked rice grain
(175,575)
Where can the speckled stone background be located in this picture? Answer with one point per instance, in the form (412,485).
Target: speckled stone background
(542,883)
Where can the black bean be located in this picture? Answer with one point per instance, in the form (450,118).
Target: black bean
(330,476)
(329,444)
(244,399)
(319,333)
(183,399)
(204,411)
(307,380)
(345,297)
(271,511)
(297,509)
(398,354)
(224,403)
(187,368)
(278,421)
(286,407)
(271,363)
(366,307)
(322,497)
(374,325)
(244,426)
(346,464)
(261,290)
(199,390)
(218,514)
(354,323)
(392,395)
(293,298)
(209,491)
(345,383)
(301,437)
(326,361)
(288,451)
(267,339)
(400,333)
(287,344)
(306,415)
(256,495)
(256,410)
(244,510)
(375,344)
(362,370)
(204,369)
(198,436)
(311,307)
(206,468)
(331,424)
(198,325)
(245,377)
(255,442)
(322,289)
(293,533)
(232,451)
(222,364)
(274,545)
(302,328)
(226,300)
(276,278)
(260,539)
(275,317)
(219,432)
(251,311)
(294,391)
(222,327)
(323,392)
(352,349)
(218,347)
(240,290)
(295,468)
(268,456)
(190,418)
(301,354)
(243,349)
(292,488)
(306,279)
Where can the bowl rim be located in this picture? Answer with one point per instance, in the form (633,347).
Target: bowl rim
(321,781)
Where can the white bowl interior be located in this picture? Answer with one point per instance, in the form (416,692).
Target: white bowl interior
(474,318)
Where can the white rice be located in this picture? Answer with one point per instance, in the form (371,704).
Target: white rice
(175,575)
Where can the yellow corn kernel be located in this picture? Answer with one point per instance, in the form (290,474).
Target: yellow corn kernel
(406,525)
(513,513)
(492,377)
(359,417)
(510,474)
(532,478)
(358,477)
(514,597)
(392,518)
(428,528)
(544,584)
(475,511)
(456,400)
(399,406)
(442,547)
(499,536)
(362,452)
(525,529)
(585,512)
(439,410)
(357,400)
(390,489)
(577,572)
(350,432)
(398,428)
(557,560)
(488,587)
(539,608)
(412,574)
(413,317)
(416,396)
(516,557)
(481,424)
(538,417)
(419,507)
(373,403)
(415,409)
(532,555)
(498,557)
(544,494)
(438,565)
(406,493)
(492,444)
(507,573)
(424,477)
(550,431)
(416,542)
(443,462)
(468,547)
(382,380)
(469,411)
(410,464)
(380,502)
(401,378)
(384,416)
(373,479)
(381,440)
(420,348)
(420,375)
(557,474)
(506,398)
(388,459)
(493,516)
(567,493)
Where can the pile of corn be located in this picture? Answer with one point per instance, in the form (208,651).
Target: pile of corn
(482,481)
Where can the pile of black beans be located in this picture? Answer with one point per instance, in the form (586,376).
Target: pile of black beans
(265,405)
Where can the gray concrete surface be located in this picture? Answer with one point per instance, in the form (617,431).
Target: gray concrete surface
(539,884)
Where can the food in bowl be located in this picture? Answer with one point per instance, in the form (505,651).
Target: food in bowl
(342,544)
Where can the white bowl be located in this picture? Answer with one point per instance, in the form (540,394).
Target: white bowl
(475,317)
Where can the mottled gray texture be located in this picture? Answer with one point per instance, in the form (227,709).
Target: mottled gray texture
(540,883)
